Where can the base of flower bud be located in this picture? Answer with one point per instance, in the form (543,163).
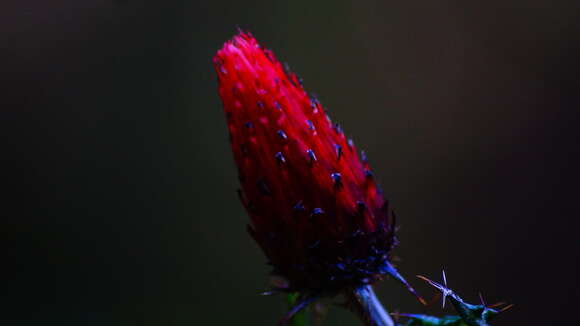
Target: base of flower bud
(328,267)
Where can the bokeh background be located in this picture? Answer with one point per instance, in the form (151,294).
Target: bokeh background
(120,205)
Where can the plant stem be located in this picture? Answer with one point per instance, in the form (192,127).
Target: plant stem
(300,318)
(367,306)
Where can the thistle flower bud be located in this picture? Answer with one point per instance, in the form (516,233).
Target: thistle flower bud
(315,208)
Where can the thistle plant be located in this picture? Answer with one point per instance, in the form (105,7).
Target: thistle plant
(468,314)
(315,207)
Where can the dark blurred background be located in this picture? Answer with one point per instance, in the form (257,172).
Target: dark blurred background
(119,203)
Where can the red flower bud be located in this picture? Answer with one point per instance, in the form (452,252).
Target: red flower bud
(315,208)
